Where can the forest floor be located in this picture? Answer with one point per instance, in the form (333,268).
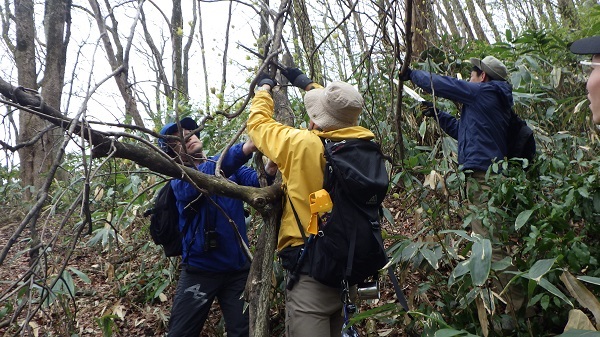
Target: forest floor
(116,300)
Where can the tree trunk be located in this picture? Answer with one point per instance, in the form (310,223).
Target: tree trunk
(161,74)
(490,19)
(475,21)
(541,11)
(29,125)
(462,18)
(358,27)
(567,11)
(509,19)
(116,61)
(186,49)
(180,89)
(421,13)
(57,16)
(448,15)
(315,69)
(203,56)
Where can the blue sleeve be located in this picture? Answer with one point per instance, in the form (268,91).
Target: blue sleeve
(447,87)
(448,123)
(234,159)
(246,176)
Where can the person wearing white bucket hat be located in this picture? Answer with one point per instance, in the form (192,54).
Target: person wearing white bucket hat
(312,308)
(591,46)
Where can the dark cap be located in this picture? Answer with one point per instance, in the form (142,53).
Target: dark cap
(170,128)
(589,45)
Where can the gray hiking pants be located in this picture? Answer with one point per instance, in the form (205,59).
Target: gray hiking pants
(313,309)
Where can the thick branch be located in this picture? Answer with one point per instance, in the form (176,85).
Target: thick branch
(145,154)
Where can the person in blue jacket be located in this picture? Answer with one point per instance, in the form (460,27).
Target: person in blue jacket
(486,103)
(214,264)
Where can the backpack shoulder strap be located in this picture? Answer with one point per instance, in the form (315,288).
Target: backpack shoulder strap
(298,220)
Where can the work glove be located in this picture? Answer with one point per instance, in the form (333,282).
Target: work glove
(406,75)
(263,78)
(296,77)
(427,109)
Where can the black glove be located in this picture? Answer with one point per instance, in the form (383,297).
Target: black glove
(427,109)
(406,75)
(263,78)
(296,77)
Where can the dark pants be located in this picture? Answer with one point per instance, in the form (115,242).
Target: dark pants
(196,291)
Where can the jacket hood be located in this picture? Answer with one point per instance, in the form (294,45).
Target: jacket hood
(505,92)
(346,133)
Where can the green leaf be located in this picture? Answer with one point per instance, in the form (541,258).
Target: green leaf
(460,233)
(388,216)
(362,315)
(522,218)
(160,289)
(429,255)
(481,261)
(449,333)
(580,333)
(589,279)
(583,191)
(555,291)
(569,197)
(423,128)
(461,269)
(545,302)
(81,275)
(502,264)
(540,268)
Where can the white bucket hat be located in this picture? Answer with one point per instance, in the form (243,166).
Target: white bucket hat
(335,107)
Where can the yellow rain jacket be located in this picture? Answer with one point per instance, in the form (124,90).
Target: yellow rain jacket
(299,154)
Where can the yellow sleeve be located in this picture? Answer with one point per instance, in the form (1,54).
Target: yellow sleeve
(273,139)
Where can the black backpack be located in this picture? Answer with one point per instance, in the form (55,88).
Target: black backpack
(349,245)
(164,222)
(521,143)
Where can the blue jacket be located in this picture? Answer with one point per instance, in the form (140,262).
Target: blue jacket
(482,129)
(228,256)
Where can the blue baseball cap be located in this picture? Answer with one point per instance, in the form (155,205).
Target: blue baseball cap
(170,128)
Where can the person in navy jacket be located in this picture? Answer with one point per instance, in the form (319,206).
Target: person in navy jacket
(486,103)
(482,134)
(214,264)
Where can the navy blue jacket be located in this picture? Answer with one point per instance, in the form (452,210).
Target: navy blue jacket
(228,256)
(482,129)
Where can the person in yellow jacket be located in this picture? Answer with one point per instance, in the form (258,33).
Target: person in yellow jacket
(312,309)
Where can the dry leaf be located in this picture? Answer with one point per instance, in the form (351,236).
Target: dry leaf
(110,272)
(582,295)
(119,311)
(578,321)
(482,315)
(35,327)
